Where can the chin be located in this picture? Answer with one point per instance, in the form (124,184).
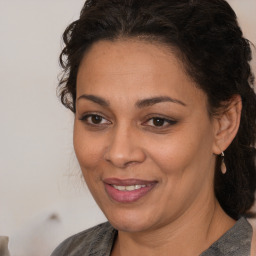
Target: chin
(127,226)
(128,221)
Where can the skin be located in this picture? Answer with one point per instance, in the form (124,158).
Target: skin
(125,143)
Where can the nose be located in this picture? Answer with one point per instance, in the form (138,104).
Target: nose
(124,148)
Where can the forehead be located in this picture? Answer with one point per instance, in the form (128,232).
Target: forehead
(132,54)
(121,67)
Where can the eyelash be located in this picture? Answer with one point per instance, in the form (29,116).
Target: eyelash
(85,119)
(164,122)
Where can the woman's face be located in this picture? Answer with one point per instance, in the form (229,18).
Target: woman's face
(142,135)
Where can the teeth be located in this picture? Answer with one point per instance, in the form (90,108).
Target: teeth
(121,188)
(128,188)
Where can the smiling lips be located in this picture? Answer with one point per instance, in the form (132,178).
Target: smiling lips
(128,188)
(127,191)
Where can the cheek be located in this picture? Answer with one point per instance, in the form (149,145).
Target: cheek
(187,148)
(89,149)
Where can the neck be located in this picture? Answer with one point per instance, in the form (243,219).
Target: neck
(191,234)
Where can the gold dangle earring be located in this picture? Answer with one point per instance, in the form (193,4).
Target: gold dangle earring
(223,165)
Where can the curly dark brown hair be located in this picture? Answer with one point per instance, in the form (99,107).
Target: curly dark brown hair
(207,38)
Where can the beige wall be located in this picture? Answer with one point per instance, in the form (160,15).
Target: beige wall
(39,175)
(246,12)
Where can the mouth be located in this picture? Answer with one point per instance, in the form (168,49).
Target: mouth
(127,191)
(129,188)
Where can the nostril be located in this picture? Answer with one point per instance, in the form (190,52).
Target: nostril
(124,148)
(130,163)
(125,159)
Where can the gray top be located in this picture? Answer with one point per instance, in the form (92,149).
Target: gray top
(4,246)
(100,239)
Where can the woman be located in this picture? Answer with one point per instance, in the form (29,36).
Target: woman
(165,126)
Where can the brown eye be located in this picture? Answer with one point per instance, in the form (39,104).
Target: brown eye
(96,119)
(158,121)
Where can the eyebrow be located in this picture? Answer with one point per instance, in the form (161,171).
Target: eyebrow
(152,101)
(139,104)
(95,99)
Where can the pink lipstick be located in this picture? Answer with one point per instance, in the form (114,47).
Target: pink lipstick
(128,190)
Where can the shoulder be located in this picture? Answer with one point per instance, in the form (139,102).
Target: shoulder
(235,242)
(97,240)
(253,245)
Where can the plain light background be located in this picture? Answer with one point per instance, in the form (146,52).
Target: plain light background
(39,175)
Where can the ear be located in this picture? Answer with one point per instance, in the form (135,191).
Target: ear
(226,124)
